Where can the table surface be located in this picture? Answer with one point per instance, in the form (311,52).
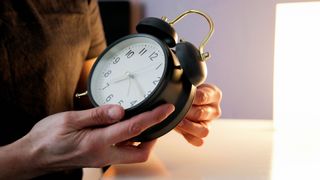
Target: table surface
(234,149)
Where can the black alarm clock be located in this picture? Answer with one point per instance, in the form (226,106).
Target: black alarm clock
(143,70)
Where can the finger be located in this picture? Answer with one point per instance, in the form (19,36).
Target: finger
(103,115)
(204,112)
(207,94)
(126,153)
(193,140)
(199,130)
(132,127)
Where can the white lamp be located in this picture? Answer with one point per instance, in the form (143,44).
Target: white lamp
(296,145)
(297,66)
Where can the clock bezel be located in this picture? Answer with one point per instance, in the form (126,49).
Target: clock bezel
(146,103)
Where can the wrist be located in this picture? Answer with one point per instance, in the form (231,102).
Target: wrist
(18,160)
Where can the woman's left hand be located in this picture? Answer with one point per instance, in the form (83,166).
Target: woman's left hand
(205,108)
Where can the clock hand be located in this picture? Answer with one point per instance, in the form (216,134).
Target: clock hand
(129,86)
(144,69)
(120,78)
(139,86)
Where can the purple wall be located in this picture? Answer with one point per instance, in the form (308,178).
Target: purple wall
(242,49)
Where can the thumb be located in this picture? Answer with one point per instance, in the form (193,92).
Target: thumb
(99,116)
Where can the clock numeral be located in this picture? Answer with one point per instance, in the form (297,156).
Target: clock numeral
(133,102)
(155,82)
(116,60)
(147,94)
(129,54)
(158,66)
(153,55)
(142,51)
(107,74)
(109,97)
(107,85)
(120,102)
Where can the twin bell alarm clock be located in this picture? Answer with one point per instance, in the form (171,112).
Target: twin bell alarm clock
(151,67)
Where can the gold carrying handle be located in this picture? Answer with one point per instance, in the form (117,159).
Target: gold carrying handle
(204,55)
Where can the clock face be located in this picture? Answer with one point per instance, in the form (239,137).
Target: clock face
(128,72)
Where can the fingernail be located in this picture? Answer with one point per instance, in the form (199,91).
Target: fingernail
(114,112)
(171,108)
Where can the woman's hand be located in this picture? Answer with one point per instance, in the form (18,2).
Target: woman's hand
(75,139)
(205,108)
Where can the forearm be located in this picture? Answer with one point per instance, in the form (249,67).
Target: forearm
(17,161)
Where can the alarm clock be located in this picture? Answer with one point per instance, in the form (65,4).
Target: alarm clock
(151,67)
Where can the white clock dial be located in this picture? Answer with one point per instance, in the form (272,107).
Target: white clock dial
(128,72)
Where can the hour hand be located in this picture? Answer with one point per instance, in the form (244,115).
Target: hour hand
(120,78)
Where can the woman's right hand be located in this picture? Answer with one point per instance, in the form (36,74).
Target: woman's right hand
(91,138)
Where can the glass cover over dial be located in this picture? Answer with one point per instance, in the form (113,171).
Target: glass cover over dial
(128,72)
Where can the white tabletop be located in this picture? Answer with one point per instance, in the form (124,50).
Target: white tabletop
(234,149)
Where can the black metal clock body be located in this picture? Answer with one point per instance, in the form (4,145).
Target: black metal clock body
(172,87)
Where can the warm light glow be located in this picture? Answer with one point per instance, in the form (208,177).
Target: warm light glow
(296,144)
(297,66)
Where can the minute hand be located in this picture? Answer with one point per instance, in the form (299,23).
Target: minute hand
(144,69)
(125,76)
